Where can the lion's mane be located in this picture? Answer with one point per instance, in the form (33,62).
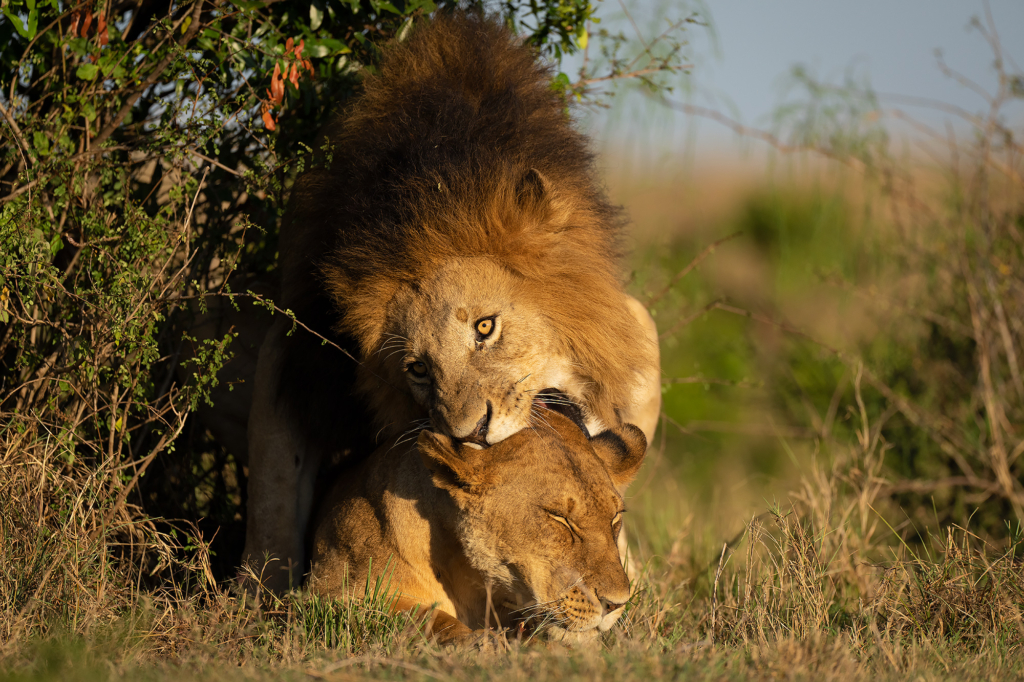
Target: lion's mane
(459,147)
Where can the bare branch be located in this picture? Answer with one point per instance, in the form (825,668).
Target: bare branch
(653,300)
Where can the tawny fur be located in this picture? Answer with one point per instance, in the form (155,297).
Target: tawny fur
(534,518)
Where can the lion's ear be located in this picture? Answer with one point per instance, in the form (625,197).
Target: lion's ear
(534,189)
(622,451)
(539,197)
(451,467)
(535,192)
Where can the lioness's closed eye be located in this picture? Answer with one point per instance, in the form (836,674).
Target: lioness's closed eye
(535,518)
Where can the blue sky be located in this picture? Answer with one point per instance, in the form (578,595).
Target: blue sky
(741,64)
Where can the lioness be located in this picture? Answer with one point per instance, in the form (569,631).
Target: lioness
(459,247)
(535,517)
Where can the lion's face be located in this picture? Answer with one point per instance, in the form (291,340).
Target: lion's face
(473,351)
(540,515)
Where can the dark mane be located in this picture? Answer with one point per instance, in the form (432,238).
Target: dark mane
(459,147)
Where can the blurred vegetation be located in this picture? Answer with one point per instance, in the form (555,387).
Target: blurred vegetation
(850,260)
(760,343)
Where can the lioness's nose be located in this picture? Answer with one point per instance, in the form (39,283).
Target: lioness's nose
(610,605)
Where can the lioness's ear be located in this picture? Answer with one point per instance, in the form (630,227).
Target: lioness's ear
(622,450)
(451,467)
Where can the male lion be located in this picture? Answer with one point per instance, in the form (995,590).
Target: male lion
(457,244)
(534,520)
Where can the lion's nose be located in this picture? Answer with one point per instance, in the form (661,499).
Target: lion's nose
(479,433)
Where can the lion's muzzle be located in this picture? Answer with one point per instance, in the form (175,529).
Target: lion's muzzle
(477,434)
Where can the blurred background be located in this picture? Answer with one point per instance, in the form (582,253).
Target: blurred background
(809,131)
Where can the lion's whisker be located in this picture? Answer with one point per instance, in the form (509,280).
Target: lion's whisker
(408,435)
(400,350)
(545,423)
(390,344)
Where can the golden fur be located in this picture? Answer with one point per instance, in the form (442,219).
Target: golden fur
(534,518)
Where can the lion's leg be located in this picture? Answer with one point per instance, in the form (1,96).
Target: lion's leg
(646,404)
(281,475)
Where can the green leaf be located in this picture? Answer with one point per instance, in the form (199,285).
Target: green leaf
(403,32)
(106,63)
(87,72)
(379,5)
(316,15)
(79,46)
(327,46)
(41,143)
(249,6)
(28,28)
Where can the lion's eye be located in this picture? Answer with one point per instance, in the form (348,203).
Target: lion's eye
(484,328)
(418,369)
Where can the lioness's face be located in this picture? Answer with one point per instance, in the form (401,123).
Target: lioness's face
(473,350)
(540,515)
